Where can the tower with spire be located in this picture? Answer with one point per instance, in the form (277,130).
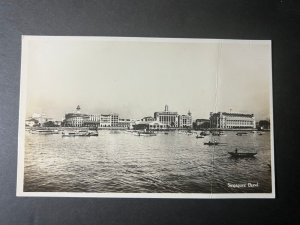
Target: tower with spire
(78,109)
(166,108)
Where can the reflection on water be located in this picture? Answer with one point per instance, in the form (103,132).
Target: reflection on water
(122,162)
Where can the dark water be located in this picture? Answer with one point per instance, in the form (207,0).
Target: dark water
(122,162)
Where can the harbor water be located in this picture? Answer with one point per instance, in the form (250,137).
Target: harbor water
(117,161)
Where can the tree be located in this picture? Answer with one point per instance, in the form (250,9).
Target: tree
(49,124)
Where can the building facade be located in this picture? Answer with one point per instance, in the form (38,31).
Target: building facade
(232,120)
(166,117)
(147,119)
(173,119)
(150,125)
(79,119)
(75,119)
(109,120)
(185,121)
(125,123)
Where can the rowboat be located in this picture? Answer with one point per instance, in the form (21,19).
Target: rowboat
(199,136)
(242,154)
(211,143)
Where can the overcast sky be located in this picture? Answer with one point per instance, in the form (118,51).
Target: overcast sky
(137,77)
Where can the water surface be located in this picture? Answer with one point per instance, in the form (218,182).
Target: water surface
(122,162)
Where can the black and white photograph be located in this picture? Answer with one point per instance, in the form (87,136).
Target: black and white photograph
(145,118)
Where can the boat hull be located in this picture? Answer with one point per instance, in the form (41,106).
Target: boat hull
(242,154)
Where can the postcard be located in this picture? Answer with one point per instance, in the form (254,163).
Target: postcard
(129,117)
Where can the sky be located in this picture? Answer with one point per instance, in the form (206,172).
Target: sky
(139,76)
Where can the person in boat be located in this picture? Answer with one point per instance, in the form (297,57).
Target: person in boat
(236,150)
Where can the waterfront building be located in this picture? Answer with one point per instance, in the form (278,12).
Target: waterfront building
(150,125)
(109,120)
(232,120)
(105,120)
(40,117)
(76,119)
(147,119)
(114,119)
(166,117)
(185,121)
(92,121)
(79,119)
(126,123)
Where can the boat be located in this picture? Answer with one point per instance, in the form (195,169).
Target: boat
(144,133)
(241,133)
(216,133)
(79,133)
(242,154)
(211,143)
(68,134)
(259,133)
(92,133)
(44,131)
(199,136)
(203,133)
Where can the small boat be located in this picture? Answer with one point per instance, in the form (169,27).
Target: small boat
(216,133)
(259,133)
(166,133)
(203,133)
(242,154)
(92,133)
(211,143)
(199,136)
(81,133)
(241,133)
(68,134)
